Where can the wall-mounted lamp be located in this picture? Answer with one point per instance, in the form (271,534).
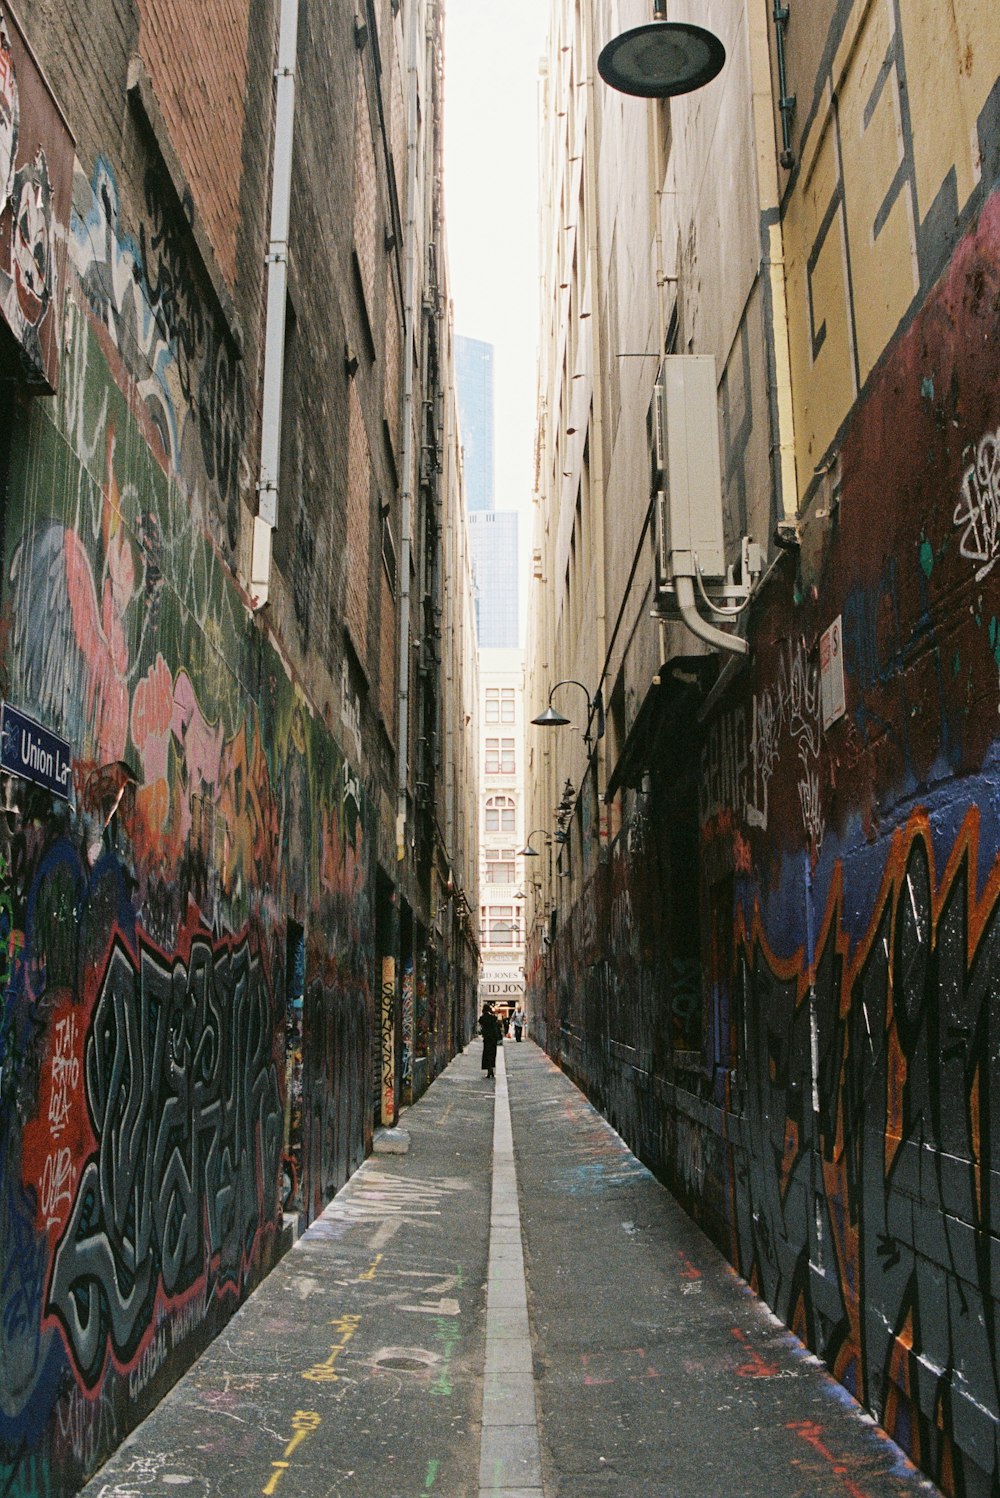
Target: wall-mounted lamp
(661,58)
(528,851)
(550,718)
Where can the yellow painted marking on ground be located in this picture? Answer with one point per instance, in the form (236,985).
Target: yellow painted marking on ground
(369,1273)
(304,1422)
(323,1373)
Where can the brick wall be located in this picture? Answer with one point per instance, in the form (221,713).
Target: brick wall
(358,529)
(196,54)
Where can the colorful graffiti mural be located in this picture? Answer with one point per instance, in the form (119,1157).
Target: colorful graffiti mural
(148,1114)
(36,171)
(815,1080)
(863,1161)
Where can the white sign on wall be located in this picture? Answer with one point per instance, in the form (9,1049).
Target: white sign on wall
(831,672)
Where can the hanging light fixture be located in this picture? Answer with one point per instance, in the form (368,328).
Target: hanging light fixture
(661,58)
(552,718)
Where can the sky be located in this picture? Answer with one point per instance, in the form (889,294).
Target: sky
(492,51)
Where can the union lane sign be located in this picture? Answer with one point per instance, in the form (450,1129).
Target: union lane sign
(31,751)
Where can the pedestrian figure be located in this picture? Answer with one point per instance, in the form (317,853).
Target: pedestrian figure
(489,1028)
(518,1020)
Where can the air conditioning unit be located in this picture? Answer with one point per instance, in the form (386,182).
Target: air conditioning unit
(686,472)
(686,456)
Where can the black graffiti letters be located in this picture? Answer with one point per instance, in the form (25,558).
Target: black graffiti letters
(172,284)
(865,1201)
(182,1092)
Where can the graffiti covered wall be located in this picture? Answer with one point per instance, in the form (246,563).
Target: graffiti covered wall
(145,1141)
(825,1106)
(863,1125)
(815,1079)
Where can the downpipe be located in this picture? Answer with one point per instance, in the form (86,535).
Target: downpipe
(406,456)
(277,293)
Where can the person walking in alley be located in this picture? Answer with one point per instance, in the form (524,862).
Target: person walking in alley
(518,1020)
(489,1028)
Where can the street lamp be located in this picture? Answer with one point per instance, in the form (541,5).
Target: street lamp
(661,58)
(551,718)
(528,851)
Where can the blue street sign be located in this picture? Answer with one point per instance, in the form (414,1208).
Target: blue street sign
(31,751)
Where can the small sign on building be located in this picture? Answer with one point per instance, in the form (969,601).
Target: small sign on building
(831,673)
(33,752)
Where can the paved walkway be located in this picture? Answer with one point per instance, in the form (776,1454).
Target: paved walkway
(513,1309)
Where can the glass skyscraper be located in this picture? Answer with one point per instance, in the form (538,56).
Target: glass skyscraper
(474,378)
(492,532)
(493,541)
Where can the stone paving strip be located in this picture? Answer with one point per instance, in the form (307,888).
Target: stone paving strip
(510,1463)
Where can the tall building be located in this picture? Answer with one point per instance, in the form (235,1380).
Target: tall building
(238,850)
(493,536)
(493,533)
(474,372)
(503,869)
(770,543)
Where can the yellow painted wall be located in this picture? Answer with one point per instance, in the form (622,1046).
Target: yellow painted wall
(897,114)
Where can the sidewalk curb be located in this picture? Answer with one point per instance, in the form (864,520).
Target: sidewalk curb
(391,1142)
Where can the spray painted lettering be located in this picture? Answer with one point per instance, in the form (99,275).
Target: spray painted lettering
(978,510)
(182,1091)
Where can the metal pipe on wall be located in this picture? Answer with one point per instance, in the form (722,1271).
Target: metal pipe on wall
(410,303)
(277,293)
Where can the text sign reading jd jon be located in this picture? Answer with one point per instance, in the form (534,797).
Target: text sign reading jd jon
(31,751)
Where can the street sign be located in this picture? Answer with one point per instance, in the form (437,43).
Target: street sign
(31,751)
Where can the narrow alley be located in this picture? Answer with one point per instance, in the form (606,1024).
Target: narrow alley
(499,524)
(404,1346)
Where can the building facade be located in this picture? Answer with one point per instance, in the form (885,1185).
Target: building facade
(474,371)
(772,963)
(504,870)
(237,876)
(493,535)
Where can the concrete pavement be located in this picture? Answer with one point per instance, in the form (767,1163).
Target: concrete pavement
(512,1309)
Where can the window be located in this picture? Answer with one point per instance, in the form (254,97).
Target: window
(388,550)
(499,871)
(501,928)
(500,705)
(507,756)
(500,813)
(493,756)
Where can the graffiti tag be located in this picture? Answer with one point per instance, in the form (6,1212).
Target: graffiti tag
(182,1092)
(978,510)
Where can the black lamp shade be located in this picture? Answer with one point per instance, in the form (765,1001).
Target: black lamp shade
(550,719)
(660,59)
